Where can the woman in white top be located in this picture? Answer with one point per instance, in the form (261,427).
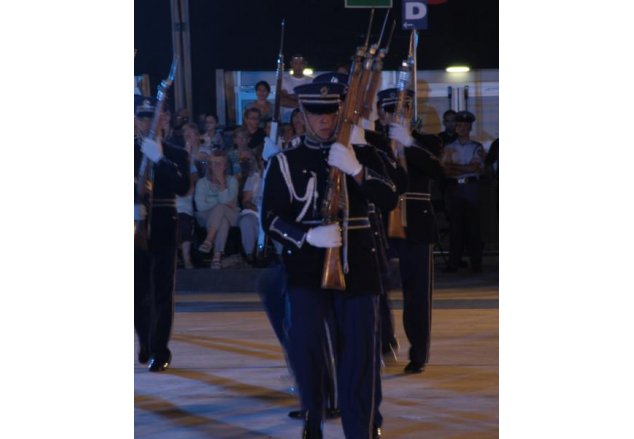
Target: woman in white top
(217,205)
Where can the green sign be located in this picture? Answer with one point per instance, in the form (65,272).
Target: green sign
(368,3)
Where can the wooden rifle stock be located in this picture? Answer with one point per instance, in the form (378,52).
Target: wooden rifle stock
(397,220)
(333,275)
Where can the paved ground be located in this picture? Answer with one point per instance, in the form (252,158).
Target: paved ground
(229,380)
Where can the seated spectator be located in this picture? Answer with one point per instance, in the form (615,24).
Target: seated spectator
(185,204)
(262,91)
(287,133)
(297,123)
(216,199)
(200,122)
(241,140)
(249,216)
(267,126)
(251,121)
(198,153)
(212,137)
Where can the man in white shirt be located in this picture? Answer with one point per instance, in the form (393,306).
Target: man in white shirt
(289,82)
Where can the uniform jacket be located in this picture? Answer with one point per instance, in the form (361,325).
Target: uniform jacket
(423,164)
(295,184)
(171,178)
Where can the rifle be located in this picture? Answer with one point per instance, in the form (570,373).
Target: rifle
(375,77)
(263,238)
(397,220)
(279,74)
(144,182)
(333,272)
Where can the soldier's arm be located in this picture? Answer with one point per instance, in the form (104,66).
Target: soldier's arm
(423,155)
(395,171)
(277,216)
(375,182)
(174,167)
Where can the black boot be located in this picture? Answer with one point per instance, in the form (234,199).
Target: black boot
(312,431)
(144,355)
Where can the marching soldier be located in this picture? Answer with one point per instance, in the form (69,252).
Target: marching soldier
(296,184)
(420,154)
(378,218)
(155,263)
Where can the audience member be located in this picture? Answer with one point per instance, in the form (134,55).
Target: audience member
(249,215)
(289,82)
(241,139)
(216,199)
(286,133)
(262,91)
(212,138)
(185,204)
(251,122)
(449,121)
(297,123)
(463,162)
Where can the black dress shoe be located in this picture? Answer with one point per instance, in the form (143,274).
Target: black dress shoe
(414,367)
(159,365)
(297,414)
(312,431)
(144,355)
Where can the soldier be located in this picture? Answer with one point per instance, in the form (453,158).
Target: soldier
(420,155)
(296,184)
(155,264)
(463,161)
(378,218)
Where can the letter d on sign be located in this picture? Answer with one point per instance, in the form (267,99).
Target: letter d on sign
(415,10)
(414,14)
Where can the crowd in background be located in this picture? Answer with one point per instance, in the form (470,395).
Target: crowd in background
(227,172)
(226,175)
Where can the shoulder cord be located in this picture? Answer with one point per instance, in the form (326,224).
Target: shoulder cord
(311,187)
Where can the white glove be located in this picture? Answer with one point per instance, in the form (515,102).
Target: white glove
(357,137)
(401,134)
(153,150)
(140,212)
(344,158)
(324,236)
(270,148)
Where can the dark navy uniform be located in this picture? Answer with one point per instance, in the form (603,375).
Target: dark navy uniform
(415,250)
(398,175)
(296,183)
(463,193)
(154,267)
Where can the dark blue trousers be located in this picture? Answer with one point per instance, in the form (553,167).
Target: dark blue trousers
(416,266)
(272,290)
(154,273)
(463,207)
(355,327)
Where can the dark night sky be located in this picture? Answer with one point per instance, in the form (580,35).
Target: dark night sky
(244,35)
